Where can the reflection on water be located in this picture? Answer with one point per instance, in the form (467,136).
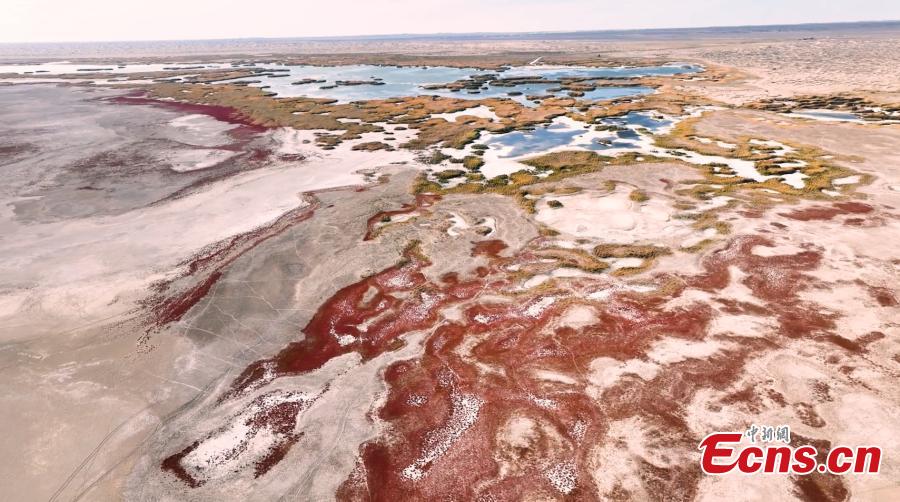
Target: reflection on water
(630,133)
(519,143)
(557,72)
(607,134)
(602,93)
(647,120)
(395,82)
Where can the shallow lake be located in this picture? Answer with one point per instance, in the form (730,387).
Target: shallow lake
(393,81)
(397,82)
(563,132)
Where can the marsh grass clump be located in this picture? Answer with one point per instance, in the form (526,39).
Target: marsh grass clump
(545,231)
(522,178)
(425,185)
(472,162)
(569,160)
(687,216)
(526,202)
(628,271)
(372,146)
(498,181)
(668,102)
(554,204)
(768,160)
(328,140)
(709,220)
(774,169)
(447,135)
(648,253)
(630,251)
(432,158)
(448,174)
(551,168)
(568,190)
(864,108)
(574,258)
(638,196)
(700,246)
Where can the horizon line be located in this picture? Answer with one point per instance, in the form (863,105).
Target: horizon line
(389,36)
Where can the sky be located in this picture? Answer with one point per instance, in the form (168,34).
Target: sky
(118,20)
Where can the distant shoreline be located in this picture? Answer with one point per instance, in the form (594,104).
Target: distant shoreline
(48,51)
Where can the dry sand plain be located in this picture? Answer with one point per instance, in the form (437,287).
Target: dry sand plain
(192,309)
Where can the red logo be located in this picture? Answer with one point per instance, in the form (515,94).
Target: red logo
(723,452)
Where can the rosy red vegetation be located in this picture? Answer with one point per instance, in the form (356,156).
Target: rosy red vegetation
(491,248)
(449,411)
(751,213)
(884,296)
(272,417)
(508,338)
(240,135)
(818,487)
(366,317)
(822,213)
(424,456)
(172,464)
(222,113)
(775,279)
(516,343)
(389,304)
(281,420)
(172,309)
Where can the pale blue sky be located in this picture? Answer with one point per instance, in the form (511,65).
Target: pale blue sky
(82,20)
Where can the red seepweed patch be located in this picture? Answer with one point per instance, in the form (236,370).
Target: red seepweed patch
(504,349)
(221,113)
(823,213)
(490,248)
(450,412)
(246,130)
(366,317)
(884,296)
(173,309)
(270,418)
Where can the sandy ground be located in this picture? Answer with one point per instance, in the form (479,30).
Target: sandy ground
(796,67)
